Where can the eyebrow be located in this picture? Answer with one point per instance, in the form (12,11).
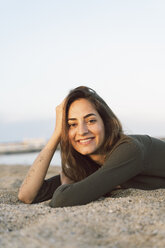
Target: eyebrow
(86,116)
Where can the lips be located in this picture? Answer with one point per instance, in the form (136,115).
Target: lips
(85,141)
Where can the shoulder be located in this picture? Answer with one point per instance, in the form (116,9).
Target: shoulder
(131,148)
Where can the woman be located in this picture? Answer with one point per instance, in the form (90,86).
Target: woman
(96,155)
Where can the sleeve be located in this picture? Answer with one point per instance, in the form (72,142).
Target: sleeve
(145,182)
(125,162)
(47,189)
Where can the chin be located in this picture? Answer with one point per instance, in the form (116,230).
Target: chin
(84,153)
(89,152)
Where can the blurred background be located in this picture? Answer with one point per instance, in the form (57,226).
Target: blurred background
(49,47)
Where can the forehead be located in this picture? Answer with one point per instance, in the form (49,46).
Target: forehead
(80,108)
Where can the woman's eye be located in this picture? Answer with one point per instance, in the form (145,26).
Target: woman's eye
(92,121)
(72,125)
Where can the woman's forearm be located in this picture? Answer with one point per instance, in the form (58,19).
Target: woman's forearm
(36,174)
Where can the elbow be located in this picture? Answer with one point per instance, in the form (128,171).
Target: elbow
(24,198)
(60,199)
(57,203)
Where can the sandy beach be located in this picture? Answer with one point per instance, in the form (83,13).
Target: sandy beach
(129,218)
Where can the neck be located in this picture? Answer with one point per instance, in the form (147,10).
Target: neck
(98,158)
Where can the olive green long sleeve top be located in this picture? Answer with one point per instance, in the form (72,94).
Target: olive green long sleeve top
(139,163)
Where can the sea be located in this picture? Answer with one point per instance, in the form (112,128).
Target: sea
(27,159)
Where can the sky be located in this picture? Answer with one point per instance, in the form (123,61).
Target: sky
(49,47)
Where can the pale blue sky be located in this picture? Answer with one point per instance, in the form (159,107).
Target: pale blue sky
(49,47)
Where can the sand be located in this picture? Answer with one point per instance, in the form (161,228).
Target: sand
(129,218)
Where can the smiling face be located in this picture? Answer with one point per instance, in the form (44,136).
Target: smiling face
(86,128)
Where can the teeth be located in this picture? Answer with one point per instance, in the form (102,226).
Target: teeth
(84,141)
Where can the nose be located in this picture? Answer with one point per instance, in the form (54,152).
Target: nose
(82,129)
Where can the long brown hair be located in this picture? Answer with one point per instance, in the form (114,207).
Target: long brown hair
(75,165)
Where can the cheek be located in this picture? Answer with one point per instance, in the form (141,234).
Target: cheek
(71,135)
(101,132)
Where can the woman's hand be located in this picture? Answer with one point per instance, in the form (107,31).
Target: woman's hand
(59,113)
(64,179)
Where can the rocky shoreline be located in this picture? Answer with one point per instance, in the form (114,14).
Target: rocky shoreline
(129,218)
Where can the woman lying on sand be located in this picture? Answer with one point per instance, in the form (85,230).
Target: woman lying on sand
(97,156)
